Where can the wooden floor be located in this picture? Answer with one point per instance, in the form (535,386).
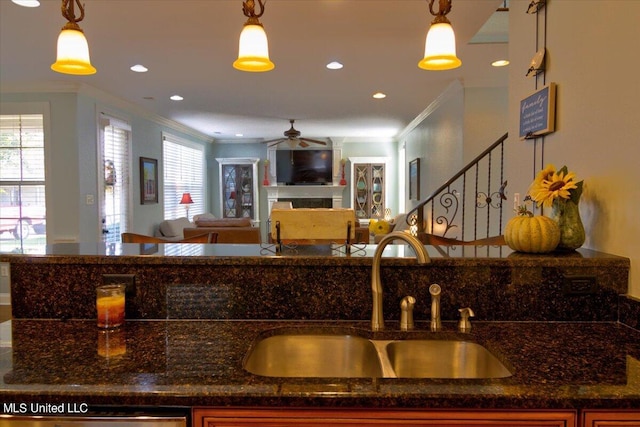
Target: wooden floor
(5,313)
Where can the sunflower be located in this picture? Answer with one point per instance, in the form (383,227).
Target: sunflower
(550,185)
(544,174)
(379,226)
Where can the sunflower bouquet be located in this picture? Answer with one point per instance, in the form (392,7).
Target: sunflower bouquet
(552,186)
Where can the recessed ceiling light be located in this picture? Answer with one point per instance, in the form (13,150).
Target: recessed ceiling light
(334,65)
(239,134)
(500,63)
(27,3)
(139,68)
(176,98)
(379,95)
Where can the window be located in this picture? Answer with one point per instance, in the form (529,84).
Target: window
(115,142)
(22,183)
(183,166)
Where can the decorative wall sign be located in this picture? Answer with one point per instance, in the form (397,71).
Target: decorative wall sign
(414,179)
(537,112)
(148,181)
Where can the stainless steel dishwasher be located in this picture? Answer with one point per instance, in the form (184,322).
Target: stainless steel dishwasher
(109,418)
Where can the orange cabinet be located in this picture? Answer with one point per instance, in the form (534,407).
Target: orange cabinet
(225,417)
(603,418)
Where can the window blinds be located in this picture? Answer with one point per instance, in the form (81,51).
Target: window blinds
(115,205)
(22,178)
(184,172)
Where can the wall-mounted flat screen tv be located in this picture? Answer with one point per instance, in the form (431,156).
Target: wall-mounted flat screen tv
(304,167)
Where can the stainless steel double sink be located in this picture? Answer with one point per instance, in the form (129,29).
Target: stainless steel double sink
(318,355)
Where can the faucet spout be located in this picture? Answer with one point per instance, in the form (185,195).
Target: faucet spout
(377,317)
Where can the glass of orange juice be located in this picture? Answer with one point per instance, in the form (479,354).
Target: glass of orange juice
(110,305)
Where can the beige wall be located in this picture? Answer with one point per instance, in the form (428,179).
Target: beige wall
(592,56)
(453,130)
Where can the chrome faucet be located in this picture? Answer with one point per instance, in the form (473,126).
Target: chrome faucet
(435,290)
(377,318)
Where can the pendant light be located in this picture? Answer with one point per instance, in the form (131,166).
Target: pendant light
(73,49)
(440,45)
(253,51)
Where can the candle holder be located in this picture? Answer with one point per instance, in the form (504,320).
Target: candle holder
(342,180)
(265,181)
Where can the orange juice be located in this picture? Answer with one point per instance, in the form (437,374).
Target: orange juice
(110,305)
(111,343)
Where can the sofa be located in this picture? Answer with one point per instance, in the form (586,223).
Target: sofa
(229,230)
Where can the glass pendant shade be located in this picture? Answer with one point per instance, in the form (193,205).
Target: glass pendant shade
(440,48)
(253,52)
(73,54)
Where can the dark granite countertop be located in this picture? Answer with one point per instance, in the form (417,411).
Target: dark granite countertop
(253,254)
(199,363)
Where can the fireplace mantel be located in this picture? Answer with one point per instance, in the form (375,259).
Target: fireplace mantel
(333,192)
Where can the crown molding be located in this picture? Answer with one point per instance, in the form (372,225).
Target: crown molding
(105,97)
(447,94)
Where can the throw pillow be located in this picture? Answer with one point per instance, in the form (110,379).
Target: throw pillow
(379,226)
(199,217)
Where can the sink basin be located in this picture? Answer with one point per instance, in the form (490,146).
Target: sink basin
(314,356)
(349,356)
(443,359)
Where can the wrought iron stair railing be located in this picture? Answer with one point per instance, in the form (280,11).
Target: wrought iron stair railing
(467,209)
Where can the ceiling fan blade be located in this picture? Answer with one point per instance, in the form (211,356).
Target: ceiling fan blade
(315,141)
(275,142)
(303,144)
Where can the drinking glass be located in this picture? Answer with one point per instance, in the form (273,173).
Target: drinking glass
(110,305)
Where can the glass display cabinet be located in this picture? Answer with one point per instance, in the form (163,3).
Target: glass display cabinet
(368,190)
(239,188)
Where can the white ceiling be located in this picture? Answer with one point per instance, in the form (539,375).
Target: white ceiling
(189,46)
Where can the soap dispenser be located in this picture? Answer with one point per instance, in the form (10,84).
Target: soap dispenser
(465,325)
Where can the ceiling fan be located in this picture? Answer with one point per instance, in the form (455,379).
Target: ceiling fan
(292,136)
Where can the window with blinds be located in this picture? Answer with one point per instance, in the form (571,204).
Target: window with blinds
(22,183)
(184,172)
(115,141)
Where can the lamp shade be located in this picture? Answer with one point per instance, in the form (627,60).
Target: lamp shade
(440,48)
(186,199)
(73,53)
(253,51)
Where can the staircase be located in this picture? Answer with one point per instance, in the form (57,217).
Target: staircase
(467,209)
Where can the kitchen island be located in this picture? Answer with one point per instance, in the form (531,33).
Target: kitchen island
(558,322)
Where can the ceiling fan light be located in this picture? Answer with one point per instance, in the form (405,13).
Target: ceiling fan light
(440,48)
(73,53)
(253,50)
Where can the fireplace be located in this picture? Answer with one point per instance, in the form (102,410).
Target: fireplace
(308,202)
(306,196)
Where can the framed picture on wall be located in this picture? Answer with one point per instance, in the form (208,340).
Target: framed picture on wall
(148,181)
(414,179)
